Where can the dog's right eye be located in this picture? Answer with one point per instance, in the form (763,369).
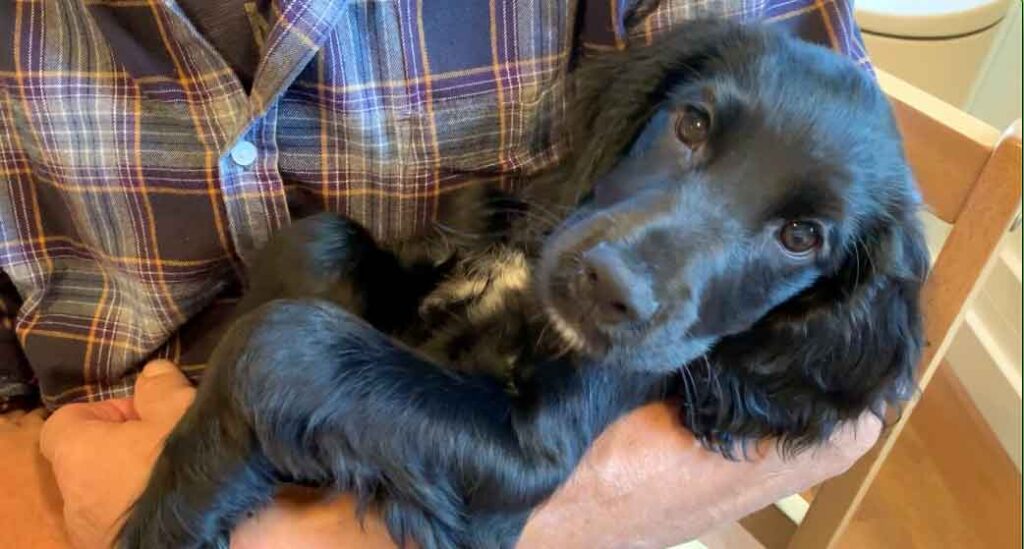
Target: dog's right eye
(800,237)
(693,126)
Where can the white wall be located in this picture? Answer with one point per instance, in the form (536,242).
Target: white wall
(996,95)
(987,352)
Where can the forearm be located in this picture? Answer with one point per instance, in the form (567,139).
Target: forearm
(645,461)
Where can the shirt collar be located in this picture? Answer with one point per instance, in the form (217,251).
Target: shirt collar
(299,30)
(150,42)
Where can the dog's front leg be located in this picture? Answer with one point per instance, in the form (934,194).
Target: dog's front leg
(303,391)
(330,257)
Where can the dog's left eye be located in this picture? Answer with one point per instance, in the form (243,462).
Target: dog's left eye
(800,237)
(693,127)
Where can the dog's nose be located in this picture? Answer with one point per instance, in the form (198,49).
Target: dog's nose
(619,295)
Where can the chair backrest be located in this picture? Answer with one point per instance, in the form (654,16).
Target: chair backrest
(970,176)
(947,148)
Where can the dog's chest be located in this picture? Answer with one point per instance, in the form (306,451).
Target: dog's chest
(483,317)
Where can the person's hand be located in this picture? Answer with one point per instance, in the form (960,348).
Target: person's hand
(102,452)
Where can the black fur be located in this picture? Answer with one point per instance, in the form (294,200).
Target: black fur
(453,382)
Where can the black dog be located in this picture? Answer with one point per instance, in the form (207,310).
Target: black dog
(735,222)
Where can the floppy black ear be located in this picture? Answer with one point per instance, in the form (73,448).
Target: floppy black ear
(848,344)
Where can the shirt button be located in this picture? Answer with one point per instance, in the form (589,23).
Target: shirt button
(243,153)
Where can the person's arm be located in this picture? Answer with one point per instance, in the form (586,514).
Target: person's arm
(638,481)
(646,481)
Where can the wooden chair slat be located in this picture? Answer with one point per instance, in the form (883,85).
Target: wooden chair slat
(970,176)
(946,147)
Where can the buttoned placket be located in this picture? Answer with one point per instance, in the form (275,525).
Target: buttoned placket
(250,180)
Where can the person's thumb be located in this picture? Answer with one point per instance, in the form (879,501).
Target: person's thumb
(162,393)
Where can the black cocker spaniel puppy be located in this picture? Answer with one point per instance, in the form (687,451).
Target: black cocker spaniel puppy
(735,223)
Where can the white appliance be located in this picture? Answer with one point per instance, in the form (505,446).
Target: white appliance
(939,46)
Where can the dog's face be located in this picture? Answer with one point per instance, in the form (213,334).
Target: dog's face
(765,168)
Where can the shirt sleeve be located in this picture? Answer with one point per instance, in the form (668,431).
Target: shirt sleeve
(17,386)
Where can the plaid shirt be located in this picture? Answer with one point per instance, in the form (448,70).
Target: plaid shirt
(137,176)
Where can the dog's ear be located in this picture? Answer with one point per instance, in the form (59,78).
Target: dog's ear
(848,344)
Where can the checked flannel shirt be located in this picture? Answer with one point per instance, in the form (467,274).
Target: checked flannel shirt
(137,174)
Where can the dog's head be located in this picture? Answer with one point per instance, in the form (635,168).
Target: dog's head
(745,201)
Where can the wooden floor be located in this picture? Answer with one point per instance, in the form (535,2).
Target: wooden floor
(947,483)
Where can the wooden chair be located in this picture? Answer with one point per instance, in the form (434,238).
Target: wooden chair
(970,177)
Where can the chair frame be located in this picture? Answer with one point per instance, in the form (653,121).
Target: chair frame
(970,177)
